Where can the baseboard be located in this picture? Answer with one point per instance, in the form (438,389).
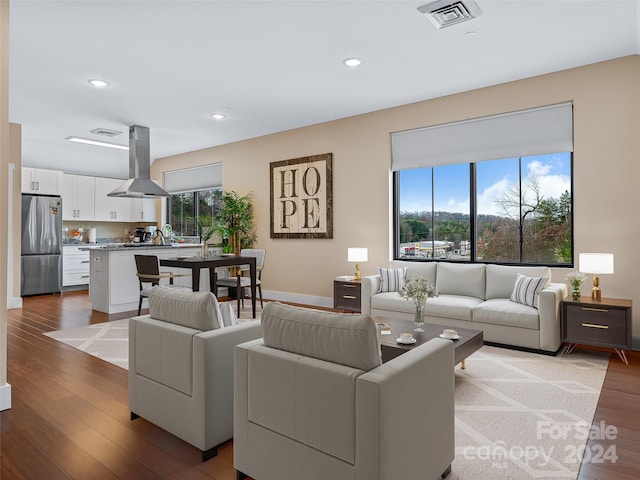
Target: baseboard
(14,303)
(5,397)
(523,349)
(298,298)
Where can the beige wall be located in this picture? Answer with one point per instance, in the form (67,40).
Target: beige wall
(606,100)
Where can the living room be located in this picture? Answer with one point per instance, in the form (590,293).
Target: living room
(606,102)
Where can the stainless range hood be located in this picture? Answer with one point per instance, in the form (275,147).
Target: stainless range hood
(139,184)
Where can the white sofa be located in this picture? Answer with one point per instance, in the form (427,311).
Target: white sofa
(313,402)
(477,296)
(181,366)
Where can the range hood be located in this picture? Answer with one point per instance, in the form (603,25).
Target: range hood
(139,184)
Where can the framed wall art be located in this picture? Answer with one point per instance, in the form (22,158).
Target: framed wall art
(302,197)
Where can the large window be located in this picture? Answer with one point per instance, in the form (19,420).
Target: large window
(514,210)
(195,195)
(185,209)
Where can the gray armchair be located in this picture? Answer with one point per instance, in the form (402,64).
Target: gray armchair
(312,401)
(181,366)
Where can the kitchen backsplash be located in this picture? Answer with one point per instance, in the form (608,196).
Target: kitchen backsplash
(105,232)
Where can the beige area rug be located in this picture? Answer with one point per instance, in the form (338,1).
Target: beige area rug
(109,341)
(525,416)
(519,415)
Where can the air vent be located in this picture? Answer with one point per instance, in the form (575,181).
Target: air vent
(445,13)
(105,132)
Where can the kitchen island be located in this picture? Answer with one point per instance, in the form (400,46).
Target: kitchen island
(114,286)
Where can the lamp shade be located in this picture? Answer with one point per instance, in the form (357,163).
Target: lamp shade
(357,254)
(596,263)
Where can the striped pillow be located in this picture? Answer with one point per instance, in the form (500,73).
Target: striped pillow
(527,289)
(392,279)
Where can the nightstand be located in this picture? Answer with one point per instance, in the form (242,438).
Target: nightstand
(605,323)
(347,295)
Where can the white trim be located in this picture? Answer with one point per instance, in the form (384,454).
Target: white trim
(12,167)
(5,397)
(14,302)
(298,298)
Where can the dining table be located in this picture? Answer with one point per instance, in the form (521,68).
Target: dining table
(195,264)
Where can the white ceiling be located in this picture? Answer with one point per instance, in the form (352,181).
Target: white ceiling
(274,65)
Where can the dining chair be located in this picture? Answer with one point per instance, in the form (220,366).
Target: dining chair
(240,282)
(149,275)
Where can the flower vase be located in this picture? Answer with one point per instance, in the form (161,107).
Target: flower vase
(576,293)
(418,319)
(205,249)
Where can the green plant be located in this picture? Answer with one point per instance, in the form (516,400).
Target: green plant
(205,229)
(235,223)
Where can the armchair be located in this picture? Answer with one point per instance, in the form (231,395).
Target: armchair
(313,401)
(181,366)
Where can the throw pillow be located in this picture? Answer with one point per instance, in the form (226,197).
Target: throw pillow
(392,279)
(228,314)
(527,289)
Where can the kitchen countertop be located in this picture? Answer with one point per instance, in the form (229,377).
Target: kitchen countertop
(133,246)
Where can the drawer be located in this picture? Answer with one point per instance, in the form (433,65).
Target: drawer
(347,295)
(603,326)
(75,278)
(76,261)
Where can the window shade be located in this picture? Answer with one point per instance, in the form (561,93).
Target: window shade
(192,179)
(527,132)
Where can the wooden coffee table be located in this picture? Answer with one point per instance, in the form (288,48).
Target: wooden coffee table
(470,340)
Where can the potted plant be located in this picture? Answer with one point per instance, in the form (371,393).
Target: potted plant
(234,222)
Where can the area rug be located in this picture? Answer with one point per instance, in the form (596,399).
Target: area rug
(525,416)
(519,415)
(109,341)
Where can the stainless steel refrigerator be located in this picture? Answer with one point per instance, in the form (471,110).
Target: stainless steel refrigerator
(41,244)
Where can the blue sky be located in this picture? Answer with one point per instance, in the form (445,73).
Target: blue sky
(495,178)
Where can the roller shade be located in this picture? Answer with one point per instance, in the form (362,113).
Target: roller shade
(527,132)
(192,179)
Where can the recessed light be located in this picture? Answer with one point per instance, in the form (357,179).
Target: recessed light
(218,116)
(88,141)
(352,62)
(98,83)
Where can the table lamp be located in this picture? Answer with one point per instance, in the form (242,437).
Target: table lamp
(596,264)
(357,255)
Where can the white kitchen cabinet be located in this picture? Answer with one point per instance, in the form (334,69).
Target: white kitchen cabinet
(40,181)
(78,197)
(75,266)
(114,286)
(110,209)
(143,210)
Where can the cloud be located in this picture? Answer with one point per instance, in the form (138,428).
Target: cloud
(486,198)
(538,168)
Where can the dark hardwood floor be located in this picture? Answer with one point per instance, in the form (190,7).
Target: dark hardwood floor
(70,417)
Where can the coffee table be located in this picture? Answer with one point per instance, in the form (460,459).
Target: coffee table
(470,340)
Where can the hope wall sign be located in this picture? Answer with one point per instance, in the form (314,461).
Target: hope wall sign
(302,197)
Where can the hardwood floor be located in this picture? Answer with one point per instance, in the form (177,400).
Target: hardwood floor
(70,419)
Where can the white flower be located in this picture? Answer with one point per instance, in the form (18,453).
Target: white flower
(418,289)
(575,279)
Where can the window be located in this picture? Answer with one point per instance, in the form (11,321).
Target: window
(434,213)
(184,208)
(195,194)
(514,210)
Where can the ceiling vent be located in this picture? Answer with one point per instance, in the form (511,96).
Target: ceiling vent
(105,132)
(444,13)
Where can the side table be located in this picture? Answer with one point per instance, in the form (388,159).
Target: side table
(347,295)
(605,323)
